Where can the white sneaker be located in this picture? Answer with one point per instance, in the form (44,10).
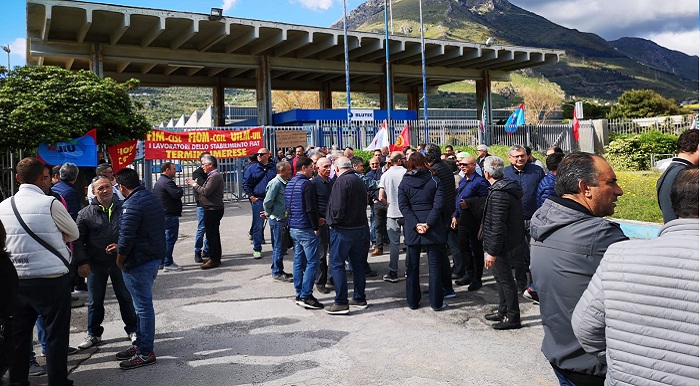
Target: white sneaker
(172,268)
(132,337)
(89,342)
(257,255)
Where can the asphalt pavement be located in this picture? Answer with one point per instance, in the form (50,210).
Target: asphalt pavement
(234,325)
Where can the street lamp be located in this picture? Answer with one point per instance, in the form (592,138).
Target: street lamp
(7,49)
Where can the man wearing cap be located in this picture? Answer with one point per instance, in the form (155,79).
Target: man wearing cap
(255,180)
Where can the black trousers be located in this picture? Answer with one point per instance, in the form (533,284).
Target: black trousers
(212,221)
(379,223)
(51,299)
(472,248)
(507,289)
(324,240)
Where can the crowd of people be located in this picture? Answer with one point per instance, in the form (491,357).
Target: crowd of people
(614,311)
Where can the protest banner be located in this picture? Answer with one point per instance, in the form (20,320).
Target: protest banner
(81,151)
(190,144)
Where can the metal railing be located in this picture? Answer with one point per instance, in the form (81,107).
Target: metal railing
(675,124)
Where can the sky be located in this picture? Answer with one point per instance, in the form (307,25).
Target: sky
(672,24)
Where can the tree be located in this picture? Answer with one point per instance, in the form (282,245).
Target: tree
(50,104)
(643,104)
(590,110)
(540,102)
(289,100)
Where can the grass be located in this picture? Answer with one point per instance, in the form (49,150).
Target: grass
(639,201)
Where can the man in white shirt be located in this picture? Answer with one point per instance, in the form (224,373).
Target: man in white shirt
(389,195)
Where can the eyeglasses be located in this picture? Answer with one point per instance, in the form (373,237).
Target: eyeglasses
(374,163)
(519,156)
(259,154)
(466,164)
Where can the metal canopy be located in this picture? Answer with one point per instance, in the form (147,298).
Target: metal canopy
(168,48)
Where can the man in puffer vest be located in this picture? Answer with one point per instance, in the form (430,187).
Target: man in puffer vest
(45,282)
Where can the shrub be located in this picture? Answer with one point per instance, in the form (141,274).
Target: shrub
(633,152)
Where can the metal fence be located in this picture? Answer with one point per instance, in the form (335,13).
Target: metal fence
(455,132)
(674,124)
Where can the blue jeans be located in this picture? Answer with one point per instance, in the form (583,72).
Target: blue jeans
(351,244)
(172,227)
(372,224)
(139,281)
(199,239)
(435,267)
(257,230)
(40,334)
(305,260)
(97,287)
(278,249)
(563,381)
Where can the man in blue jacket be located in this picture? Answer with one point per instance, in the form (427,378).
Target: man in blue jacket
(170,196)
(140,249)
(304,221)
(255,180)
(528,176)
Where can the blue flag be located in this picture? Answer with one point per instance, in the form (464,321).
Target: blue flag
(516,119)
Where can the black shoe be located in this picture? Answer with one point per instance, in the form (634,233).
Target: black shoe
(494,317)
(206,254)
(128,353)
(198,257)
(464,280)
(371,273)
(322,289)
(475,285)
(507,324)
(311,303)
(455,276)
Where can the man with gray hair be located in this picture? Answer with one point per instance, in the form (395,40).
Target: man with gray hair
(347,219)
(211,197)
(276,214)
(67,190)
(482,152)
(569,238)
(503,235)
(104,170)
(640,310)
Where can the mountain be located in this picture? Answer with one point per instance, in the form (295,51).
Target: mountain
(656,56)
(592,67)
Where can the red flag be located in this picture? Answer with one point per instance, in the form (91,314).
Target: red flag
(122,154)
(576,127)
(402,140)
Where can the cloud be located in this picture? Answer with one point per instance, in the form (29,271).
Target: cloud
(686,42)
(228,4)
(623,18)
(19,48)
(315,5)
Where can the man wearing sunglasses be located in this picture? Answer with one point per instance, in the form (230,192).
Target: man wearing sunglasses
(255,180)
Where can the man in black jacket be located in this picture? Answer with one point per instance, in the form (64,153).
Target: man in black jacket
(140,249)
(347,218)
(503,234)
(98,224)
(201,244)
(170,196)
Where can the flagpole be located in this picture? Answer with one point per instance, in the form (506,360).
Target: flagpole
(389,99)
(425,83)
(347,72)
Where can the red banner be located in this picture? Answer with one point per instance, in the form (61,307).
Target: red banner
(122,154)
(190,144)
